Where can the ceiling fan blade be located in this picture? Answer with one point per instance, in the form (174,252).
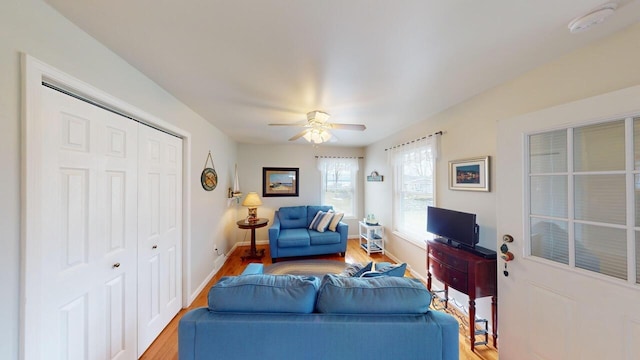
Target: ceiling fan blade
(298,123)
(357,127)
(299,135)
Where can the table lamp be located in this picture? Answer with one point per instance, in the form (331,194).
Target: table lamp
(252,201)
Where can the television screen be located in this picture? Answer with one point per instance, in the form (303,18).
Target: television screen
(453,225)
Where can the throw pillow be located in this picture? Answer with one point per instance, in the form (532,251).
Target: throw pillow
(315,220)
(351,269)
(336,219)
(363,270)
(323,222)
(389,270)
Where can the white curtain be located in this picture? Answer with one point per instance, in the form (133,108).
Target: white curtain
(414,175)
(342,194)
(323,163)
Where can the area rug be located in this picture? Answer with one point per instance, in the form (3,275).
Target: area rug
(306,267)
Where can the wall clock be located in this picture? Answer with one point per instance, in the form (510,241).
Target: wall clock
(209,177)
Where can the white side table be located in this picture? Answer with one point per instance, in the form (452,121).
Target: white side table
(371,238)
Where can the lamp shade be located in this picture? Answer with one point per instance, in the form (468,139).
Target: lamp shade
(252,200)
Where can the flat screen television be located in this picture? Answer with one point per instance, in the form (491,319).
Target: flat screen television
(453,226)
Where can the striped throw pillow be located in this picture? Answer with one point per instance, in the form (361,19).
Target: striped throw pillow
(335,220)
(315,220)
(323,222)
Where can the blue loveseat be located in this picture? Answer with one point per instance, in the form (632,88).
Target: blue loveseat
(289,235)
(257,316)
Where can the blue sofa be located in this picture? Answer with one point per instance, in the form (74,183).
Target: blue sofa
(258,316)
(289,234)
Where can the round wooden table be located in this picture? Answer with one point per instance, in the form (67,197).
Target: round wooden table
(253,253)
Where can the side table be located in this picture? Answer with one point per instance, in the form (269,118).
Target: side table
(253,253)
(372,238)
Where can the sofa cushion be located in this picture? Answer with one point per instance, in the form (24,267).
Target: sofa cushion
(377,295)
(262,293)
(324,238)
(312,210)
(292,217)
(293,238)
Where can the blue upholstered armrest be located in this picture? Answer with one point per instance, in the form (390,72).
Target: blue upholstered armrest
(274,230)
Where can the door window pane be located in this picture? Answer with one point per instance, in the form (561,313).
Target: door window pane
(600,198)
(636,143)
(599,147)
(548,152)
(550,240)
(589,196)
(601,249)
(549,195)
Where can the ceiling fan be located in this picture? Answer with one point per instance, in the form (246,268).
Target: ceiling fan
(317,128)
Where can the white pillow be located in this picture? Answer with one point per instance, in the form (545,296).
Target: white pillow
(336,219)
(324,221)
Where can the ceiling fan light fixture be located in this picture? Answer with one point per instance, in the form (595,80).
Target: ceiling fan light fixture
(317,136)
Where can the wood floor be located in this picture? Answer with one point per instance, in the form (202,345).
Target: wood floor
(166,345)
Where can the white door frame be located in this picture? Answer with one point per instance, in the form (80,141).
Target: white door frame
(34,72)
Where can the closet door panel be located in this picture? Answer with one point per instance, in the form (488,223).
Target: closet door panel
(160,232)
(87,251)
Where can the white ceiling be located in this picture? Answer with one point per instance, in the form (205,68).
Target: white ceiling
(384,63)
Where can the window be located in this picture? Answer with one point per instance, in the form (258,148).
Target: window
(339,184)
(584,197)
(414,187)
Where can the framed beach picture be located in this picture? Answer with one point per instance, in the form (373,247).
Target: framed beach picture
(280,181)
(469,174)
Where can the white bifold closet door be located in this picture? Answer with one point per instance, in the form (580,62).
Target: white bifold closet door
(109,252)
(159,233)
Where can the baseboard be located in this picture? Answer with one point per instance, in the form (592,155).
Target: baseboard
(217,265)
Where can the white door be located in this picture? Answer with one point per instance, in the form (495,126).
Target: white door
(160,231)
(549,309)
(87,249)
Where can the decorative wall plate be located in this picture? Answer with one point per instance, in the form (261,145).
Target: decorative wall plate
(209,179)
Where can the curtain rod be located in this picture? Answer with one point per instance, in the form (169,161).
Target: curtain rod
(338,157)
(412,141)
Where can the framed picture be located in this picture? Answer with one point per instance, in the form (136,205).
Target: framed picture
(280,181)
(469,174)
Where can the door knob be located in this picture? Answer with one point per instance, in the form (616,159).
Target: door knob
(116,265)
(154,247)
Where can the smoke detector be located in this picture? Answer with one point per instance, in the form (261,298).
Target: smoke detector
(594,17)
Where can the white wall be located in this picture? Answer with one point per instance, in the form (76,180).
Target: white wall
(252,158)
(470,131)
(33,27)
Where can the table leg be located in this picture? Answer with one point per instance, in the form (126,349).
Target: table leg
(446,296)
(472,322)
(253,253)
(494,320)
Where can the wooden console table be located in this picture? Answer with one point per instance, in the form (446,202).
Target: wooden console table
(468,273)
(252,253)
